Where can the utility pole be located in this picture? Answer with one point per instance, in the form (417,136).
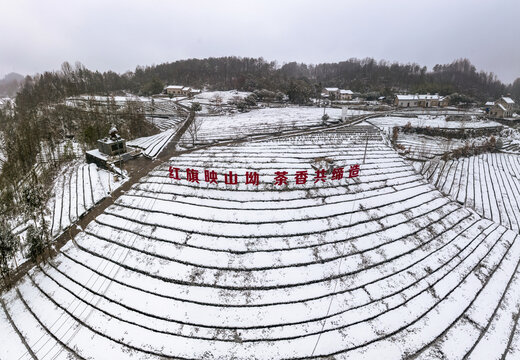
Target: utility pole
(366,146)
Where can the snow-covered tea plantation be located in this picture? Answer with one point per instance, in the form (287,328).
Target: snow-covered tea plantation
(76,190)
(423,147)
(378,266)
(262,121)
(153,145)
(488,183)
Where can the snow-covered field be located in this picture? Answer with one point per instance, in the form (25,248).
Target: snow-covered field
(153,145)
(164,123)
(208,97)
(487,183)
(208,102)
(77,189)
(382,266)
(423,147)
(257,122)
(433,121)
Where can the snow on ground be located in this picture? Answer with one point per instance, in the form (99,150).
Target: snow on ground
(377,266)
(511,141)
(153,145)
(433,121)
(487,183)
(77,189)
(208,97)
(208,104)
(423,147)
(164,123)
(261,121)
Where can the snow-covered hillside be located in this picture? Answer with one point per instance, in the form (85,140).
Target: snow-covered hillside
(153,145)
(77,189)
(376,266)
(255,122)
(487,183)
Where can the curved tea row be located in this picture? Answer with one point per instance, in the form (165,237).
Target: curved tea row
(488,183)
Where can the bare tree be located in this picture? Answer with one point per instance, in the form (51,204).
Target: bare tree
(217,99)
(194,128)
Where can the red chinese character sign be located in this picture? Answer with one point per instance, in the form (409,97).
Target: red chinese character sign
(281,177)
(210,176)
(252,178)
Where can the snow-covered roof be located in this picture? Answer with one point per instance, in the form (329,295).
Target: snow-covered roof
(502,107)
(98,154)
(332,89)
(186,88)
(177,87)
(508,100)
(349,92)
(490,103)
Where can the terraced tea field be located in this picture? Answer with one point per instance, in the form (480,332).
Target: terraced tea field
(377,266)
(487,183)
(153,145)
(262,121)
(77,190)
(164,124)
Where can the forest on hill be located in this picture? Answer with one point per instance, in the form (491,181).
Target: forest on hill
(299,81)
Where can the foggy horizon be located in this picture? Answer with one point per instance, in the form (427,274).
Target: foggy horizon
(119,35)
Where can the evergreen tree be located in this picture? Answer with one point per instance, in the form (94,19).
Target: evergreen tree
(35,243)
(8,245)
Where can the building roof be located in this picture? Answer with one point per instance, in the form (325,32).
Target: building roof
(502,107)
(98,154)
(332,89)
(186,88)
(176,87)
(349,92)
(489,103)
(508,100)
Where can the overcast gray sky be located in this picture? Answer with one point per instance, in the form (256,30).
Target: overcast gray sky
(39,35)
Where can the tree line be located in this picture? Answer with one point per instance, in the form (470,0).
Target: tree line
(299,81)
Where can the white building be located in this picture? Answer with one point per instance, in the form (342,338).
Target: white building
(174,89)
(502,108)
(180,90)
(345,94)
(334,93)
(420,100)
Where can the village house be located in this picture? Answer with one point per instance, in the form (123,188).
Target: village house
(345,95)
(502,108)
(420,100)
(334,93)
(180,90)
(330,92)
(173,90)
